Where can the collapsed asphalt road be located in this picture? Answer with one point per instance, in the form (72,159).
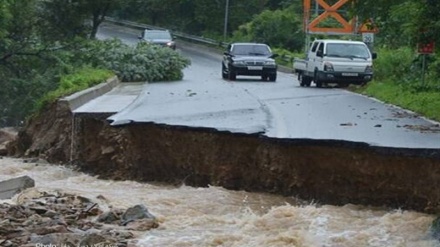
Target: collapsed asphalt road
(284,109)
(326,145)
(280,110)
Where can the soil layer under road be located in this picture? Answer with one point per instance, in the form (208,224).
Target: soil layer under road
(334,172)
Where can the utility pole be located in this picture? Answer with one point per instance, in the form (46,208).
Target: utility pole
(225,31)
(316,8)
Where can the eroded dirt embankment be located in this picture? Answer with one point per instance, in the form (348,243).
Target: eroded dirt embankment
(334,172)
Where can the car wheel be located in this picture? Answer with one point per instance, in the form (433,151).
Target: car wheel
(316,80)
(301,79)
(306,81)
(273,77)
(224,73)
(264,77)
(231,75)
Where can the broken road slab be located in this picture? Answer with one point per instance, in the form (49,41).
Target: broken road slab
(11,187)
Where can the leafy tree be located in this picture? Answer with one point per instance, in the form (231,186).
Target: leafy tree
(429,22)
(27,63)
(211,14)
(64,18)
(4,17)
(279,28)
(282,4)
(71,18)
(19,30)
(402,22)
(198,17)
(378,10)
(405,16)
(154,12)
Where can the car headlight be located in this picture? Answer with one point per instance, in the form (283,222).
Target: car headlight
(238,63)
(269,63)
(328,67)
(369,69)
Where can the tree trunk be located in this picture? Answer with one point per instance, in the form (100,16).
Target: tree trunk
(95,26)
(98,17)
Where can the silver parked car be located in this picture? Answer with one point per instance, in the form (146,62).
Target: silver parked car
(158,37)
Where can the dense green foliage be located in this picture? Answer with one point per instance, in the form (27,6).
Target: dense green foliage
(277,28)
(393,63)
(402,22)
(195,16)
(28,59)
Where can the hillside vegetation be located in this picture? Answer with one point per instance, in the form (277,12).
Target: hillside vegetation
(41,42)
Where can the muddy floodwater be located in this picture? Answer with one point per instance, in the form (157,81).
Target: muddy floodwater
(214,216)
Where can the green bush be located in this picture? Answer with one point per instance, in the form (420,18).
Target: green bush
(142,62)
(394,64)
(72,83)
(433,71)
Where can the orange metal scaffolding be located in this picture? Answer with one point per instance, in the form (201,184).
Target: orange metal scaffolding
(311,25)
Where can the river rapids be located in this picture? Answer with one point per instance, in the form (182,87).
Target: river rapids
(214,216)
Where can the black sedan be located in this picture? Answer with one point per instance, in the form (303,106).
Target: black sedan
(251,59)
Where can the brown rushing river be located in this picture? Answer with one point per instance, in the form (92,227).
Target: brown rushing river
(217,217)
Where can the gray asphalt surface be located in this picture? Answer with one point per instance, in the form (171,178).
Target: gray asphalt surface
(281,110)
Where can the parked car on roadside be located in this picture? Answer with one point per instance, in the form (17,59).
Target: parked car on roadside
(251,59)
(158,37)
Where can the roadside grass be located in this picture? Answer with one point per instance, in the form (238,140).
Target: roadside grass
(424,102)
(72,83)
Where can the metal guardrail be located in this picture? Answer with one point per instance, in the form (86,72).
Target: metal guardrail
(188,37)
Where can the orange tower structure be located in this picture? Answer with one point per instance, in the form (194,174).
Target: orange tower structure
(328,10)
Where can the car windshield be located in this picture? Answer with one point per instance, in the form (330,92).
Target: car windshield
(157,35)
(347,50)
(254,50)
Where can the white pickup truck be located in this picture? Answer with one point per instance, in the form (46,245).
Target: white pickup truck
(341,62)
